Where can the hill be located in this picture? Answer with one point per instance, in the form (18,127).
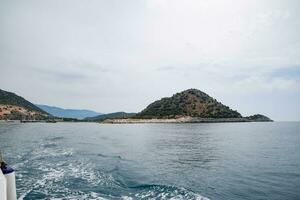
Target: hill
(68,113)
(14,107)
(258,118)
(115,115)
(192,103)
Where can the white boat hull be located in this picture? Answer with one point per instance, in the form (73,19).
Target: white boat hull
(8,186)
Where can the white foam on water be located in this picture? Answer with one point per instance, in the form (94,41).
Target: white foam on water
(46,179)
(126,198)
(22,196)
(86,171)
(162,192)
(96,196)
(46,152)
(51,175)
(89,196)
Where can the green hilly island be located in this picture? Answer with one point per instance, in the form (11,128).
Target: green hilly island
(191,105)
(192,102)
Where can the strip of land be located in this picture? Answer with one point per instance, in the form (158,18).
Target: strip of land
(177,120)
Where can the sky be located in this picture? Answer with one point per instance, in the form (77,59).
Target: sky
(121,55)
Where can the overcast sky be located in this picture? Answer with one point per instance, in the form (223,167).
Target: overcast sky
(120,55)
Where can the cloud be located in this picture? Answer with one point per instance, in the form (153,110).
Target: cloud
(69,71)
(65,76)
(287,72)
(166,68)
(276,79)
(256,84)
(270,17)
(115,55)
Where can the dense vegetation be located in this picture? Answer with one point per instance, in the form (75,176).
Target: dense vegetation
(258,117)
(116,115)
(190,102)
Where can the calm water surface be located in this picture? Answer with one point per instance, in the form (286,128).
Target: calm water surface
(231,161)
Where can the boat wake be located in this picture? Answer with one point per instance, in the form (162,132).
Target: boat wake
(54,171)
(164,192)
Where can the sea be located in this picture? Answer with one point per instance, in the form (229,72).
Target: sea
(230,161)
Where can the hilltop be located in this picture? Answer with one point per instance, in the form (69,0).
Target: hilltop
(14,107)
(258,118)
(189,106)
(192,102)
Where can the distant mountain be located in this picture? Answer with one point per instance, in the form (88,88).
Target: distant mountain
(116,115)
(68,113)
(192,102)
(258,118)
(14,107)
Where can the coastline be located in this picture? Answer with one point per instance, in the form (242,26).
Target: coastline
(178,120)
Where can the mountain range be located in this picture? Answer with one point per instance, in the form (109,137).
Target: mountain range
(68,113)
(191,104)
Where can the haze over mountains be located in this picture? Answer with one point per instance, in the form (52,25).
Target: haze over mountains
(68,113)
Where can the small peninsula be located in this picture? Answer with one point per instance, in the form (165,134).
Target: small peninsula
(189,106)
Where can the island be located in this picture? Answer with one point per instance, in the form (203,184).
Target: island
(189,106)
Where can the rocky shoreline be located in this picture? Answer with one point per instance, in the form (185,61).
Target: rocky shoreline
(179,120)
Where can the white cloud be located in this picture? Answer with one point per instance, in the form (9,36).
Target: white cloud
(121,55)
(257,84)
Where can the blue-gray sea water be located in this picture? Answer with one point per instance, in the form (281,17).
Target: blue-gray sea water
(255,161)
